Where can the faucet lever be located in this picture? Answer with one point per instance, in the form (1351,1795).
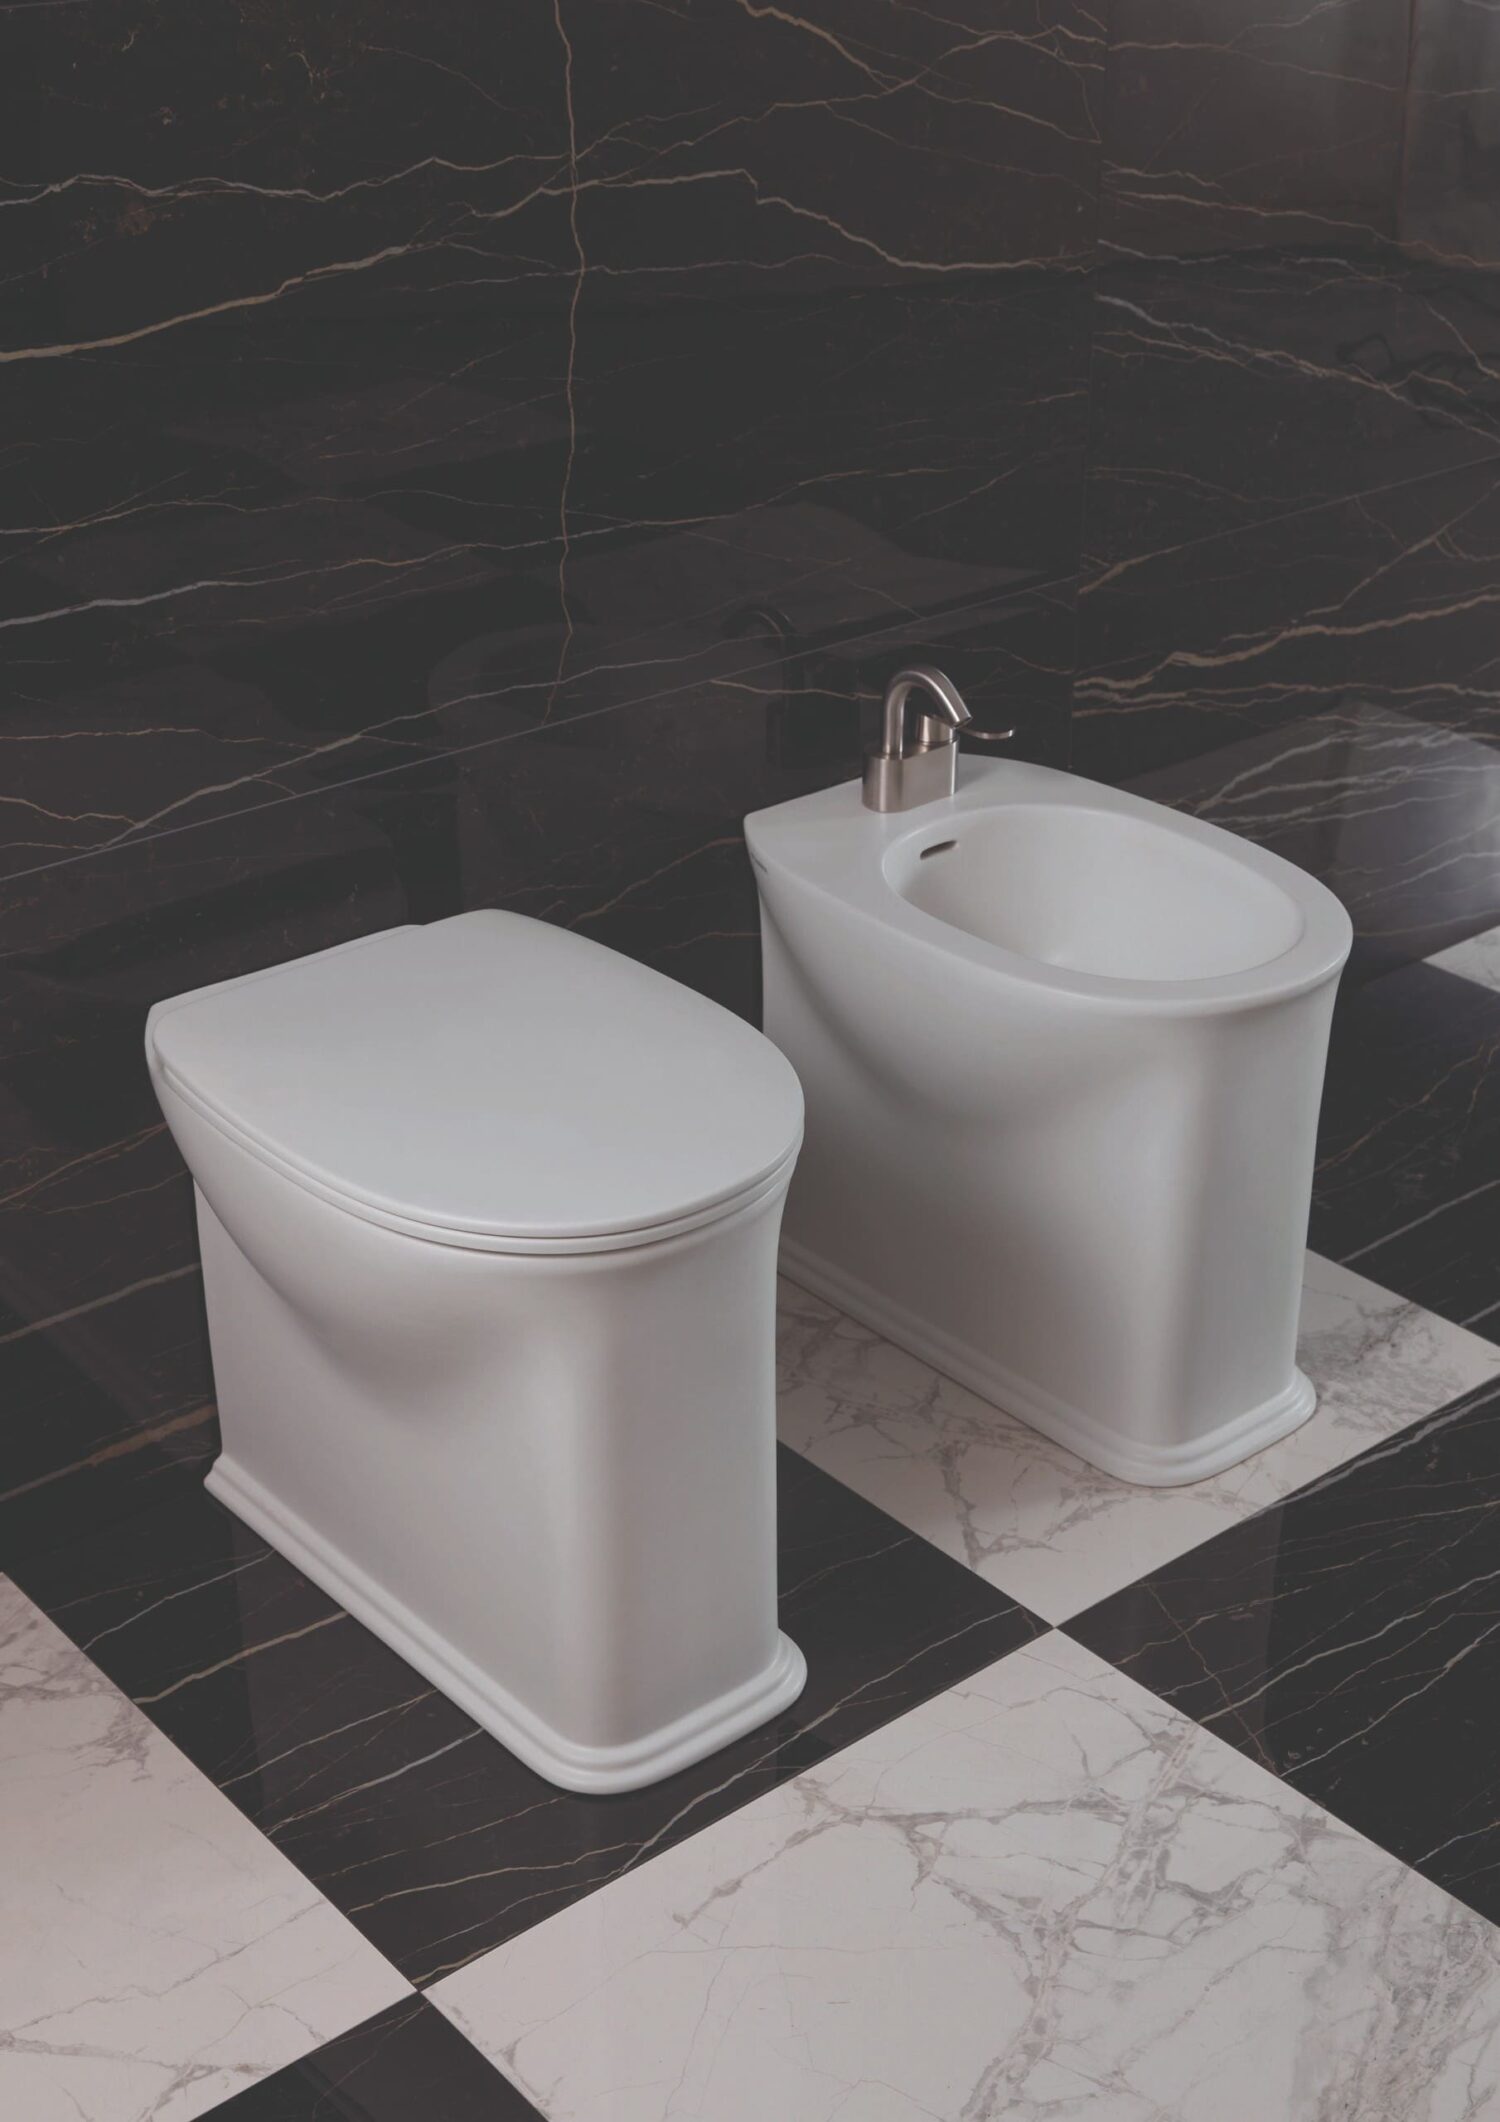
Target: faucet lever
(898,778)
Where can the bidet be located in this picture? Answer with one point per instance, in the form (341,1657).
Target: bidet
(1062,1051)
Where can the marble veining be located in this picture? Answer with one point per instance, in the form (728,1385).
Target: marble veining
(1398,814)
(1408,1169)
(1043,1893)
(1040,1524)
(156,1952)
(407,2064)
(1288,595)
(1230,134)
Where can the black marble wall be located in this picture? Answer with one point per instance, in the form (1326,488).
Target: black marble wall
(464,456)
(1291,531)
(1291,595)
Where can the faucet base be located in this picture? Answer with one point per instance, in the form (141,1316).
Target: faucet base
(895,781)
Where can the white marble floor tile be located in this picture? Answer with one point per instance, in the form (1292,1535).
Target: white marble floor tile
(1476,958)
(1045,1527)
(157,1953)
(1044,1894)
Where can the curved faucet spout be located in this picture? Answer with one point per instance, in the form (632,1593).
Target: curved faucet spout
(951,714)
(898,778)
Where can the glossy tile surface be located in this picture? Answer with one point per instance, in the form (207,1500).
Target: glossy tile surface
(1291,514)
(1317,95)
(1408,1174)
(1288,593)
(433,1839)
(1042,1894)
(112,1419)
(156,1952)
(1040,1524)
(1475,958)
(409,2064)
(1347,1640)
(1290,505)
(1399,814)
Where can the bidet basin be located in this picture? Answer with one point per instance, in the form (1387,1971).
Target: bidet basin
(1062,1051)
(1094,891)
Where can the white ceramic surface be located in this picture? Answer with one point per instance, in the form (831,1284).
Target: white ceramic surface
(1092,891)
(1043,1525)
(1082,1192)
(487,1081)
(543,1470)
(157,1953)
(1043,1896)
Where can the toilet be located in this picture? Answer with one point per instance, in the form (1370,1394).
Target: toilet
(489,1218)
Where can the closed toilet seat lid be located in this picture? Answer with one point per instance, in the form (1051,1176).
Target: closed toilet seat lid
(488,1078)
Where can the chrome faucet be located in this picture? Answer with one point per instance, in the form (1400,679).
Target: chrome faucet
(897,778)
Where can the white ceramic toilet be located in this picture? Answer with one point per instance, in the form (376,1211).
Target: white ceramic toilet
(489,1219)
(1063,1051)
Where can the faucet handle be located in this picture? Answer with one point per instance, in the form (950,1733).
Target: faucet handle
(971,735)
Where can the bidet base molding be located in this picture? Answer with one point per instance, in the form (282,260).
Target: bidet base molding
(1144,1464)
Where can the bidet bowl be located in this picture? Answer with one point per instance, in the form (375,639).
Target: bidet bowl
(1096,891)
(1062,1051)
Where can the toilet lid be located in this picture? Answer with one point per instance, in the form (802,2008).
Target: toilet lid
(488,1075)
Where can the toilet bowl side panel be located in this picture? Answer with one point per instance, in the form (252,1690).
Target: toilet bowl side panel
(564,1467)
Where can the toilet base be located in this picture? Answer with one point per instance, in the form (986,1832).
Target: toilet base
(1128,1459)
(596,1770)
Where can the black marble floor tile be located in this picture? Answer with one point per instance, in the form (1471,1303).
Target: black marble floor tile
(1408,1172)
(1349,1640)
(407,2064)
(106,1415)
(432,1838)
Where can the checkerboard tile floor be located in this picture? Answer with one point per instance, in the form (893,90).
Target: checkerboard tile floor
(1101,1801)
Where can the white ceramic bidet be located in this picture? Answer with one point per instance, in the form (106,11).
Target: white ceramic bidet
(488,1217)
(1062,1052)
